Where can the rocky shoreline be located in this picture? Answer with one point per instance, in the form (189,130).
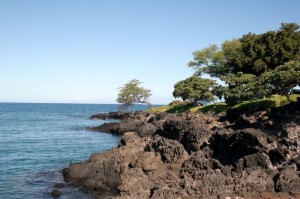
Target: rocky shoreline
(245,155)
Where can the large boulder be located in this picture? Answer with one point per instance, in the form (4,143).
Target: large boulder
(102,171)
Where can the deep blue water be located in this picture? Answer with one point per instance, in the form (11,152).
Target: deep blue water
(38,140)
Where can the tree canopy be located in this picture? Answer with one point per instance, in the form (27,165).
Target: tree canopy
(132,93)
(241,63)
(282,79)
(195,89)
(252,53)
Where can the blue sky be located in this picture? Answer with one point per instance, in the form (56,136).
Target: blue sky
(81,51)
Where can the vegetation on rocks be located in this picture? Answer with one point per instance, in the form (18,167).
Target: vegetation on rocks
(250,105)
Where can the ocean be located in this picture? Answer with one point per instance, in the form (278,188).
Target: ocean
(38,140)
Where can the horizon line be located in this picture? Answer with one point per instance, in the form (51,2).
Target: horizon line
(73,103)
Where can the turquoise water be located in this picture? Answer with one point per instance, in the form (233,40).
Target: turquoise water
(38,140)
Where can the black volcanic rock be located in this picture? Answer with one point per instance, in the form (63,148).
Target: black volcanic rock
(111,115)
(197,156)
(56,193)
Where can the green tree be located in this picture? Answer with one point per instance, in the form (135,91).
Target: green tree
(209,60)
(282,79)
(240,63)
(195,89)
(132,93)
(250,54)
(241,87)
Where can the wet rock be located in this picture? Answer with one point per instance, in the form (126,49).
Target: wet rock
(56,193)
(107,128)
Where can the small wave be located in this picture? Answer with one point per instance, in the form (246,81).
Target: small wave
(46,177)
(43,183)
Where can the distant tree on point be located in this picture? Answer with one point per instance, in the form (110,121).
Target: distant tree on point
(132,93)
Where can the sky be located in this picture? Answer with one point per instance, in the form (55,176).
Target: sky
(82,51)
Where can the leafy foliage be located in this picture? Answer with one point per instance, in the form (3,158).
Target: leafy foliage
(132,93)
(241,87)
(251,54)
(195,89)
(248,65)
(282,79)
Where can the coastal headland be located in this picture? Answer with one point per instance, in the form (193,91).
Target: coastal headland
(195,155)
